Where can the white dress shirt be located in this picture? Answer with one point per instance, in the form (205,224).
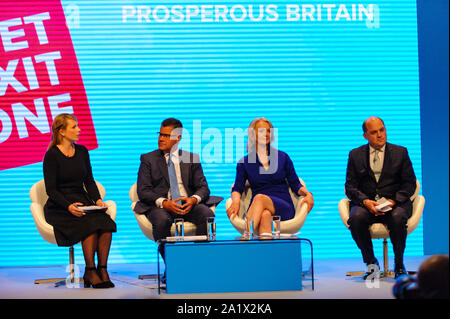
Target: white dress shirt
(176,162)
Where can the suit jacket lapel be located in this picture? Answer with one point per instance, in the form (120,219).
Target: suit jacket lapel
(163,167)
(367,162)
(386,162)
(184,171)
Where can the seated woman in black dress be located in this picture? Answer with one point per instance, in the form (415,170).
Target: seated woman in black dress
(67,169)
(267,170)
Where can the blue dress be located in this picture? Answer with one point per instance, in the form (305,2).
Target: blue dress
(273,183)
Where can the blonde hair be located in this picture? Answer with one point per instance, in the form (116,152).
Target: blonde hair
(60,122)
(251,143)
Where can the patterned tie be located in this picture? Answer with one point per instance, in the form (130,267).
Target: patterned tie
(377,165)
(174,190)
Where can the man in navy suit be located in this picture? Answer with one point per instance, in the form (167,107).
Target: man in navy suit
(376,170)
(171,184)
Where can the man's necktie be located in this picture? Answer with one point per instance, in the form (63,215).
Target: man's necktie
(174,190)
(377,165)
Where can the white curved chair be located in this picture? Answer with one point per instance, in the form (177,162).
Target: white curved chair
(291,226)
(38,196)
(380,231)
(146,226)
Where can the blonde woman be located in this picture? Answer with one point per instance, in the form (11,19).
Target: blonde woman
(67,169)
(267,170)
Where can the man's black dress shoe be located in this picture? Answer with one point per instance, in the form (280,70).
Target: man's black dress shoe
(371,269)
(399,270)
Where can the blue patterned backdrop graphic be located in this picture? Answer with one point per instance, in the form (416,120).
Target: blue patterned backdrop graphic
(315,79)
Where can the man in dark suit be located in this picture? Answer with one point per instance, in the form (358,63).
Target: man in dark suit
(376,170)
(171,184)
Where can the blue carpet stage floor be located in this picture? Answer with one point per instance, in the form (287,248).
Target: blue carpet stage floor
(330,283)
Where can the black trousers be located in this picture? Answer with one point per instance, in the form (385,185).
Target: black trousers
(162,221)
(395,220)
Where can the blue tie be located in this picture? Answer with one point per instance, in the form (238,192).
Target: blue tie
(174,190)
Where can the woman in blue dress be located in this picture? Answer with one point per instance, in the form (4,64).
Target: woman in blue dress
(267,171)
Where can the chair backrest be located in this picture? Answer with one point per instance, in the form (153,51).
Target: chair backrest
(38,198)
(133,193)
(416,192)
(418,206)
(38,194)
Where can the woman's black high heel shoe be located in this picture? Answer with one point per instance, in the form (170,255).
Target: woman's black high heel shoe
(87,282)
(108,283)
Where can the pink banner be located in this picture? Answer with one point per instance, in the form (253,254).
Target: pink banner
(39,79)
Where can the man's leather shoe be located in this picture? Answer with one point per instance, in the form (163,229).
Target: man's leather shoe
(372,270)
(399,270)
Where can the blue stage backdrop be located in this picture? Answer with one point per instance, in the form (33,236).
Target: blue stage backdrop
(316,70)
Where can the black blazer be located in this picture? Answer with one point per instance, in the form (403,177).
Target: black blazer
(397,180)
(153,180)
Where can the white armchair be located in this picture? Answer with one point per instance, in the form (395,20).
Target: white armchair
(291,226)
(38,196)
(146,226)
(380,231)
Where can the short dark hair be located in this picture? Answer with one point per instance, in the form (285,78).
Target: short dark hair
(172,122)
(364,127)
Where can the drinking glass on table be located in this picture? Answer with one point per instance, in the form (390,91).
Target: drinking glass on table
(211,228)
(248,228)
(276,231)
(179,228)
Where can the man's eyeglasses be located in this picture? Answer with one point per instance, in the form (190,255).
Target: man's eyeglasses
(166,135)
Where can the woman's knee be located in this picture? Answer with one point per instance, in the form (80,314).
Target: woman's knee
(261,198)
(262,202)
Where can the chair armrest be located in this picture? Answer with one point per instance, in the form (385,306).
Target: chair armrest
(292,226)
(143,223)
(417,210)
(228,203)
(45,229)
(344,210)
(236,221)
(112,209)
